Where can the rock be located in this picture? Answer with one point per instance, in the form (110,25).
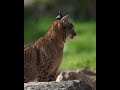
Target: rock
(63,85)
(86,76)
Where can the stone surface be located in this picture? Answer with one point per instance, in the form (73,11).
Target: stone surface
(63,85)
(87,76)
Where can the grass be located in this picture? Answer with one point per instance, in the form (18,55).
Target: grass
(79,53)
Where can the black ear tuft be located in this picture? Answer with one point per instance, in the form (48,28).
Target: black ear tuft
(59,16)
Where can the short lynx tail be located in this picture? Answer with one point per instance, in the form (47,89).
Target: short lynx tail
(59,16)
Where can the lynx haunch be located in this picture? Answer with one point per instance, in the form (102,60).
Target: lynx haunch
(43,58)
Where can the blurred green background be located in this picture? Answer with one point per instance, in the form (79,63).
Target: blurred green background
(80,52)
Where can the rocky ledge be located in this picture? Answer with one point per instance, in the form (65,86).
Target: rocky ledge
(62,85)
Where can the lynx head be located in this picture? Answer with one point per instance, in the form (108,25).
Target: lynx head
(67,27)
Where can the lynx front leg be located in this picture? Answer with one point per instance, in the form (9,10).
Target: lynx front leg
(53,76)
(42,76)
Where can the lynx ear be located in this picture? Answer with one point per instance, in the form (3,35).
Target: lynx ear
(59,16)
(65,19)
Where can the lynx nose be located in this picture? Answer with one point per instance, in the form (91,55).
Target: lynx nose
(74,34)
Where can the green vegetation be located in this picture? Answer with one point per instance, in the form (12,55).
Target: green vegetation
(79,53)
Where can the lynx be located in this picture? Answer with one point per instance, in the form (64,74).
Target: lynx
(43,57)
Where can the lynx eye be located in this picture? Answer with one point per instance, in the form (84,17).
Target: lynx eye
(71,28)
